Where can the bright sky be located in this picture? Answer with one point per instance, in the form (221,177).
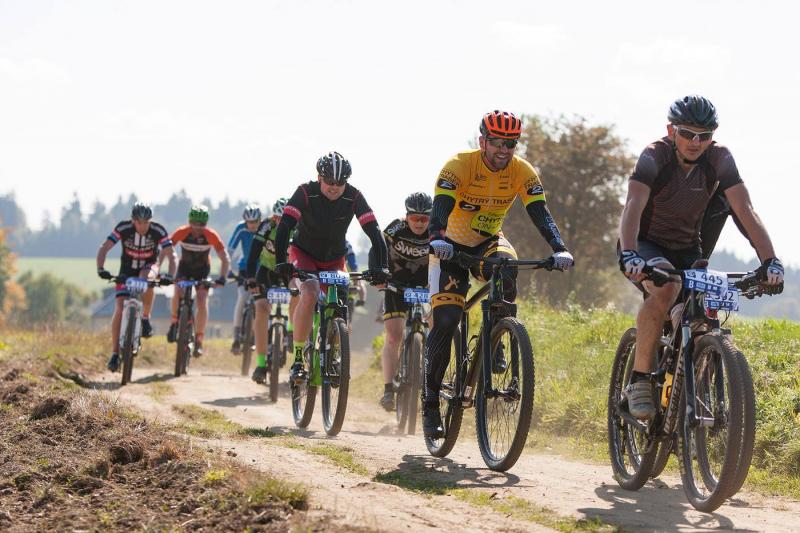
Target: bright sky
(239,99)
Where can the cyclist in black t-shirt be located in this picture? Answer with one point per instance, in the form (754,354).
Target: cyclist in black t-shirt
(668,194)
(145,244)
(322,211)
(407,242)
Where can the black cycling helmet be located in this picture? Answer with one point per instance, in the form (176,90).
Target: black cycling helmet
(693,110)
(334,166)
(141,211)
(418,203)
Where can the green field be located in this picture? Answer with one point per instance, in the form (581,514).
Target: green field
(80,271)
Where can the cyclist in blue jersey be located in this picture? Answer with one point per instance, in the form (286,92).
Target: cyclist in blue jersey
(242,235)
(352,266)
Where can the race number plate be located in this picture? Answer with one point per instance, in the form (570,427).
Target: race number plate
(708,281)
(136,285)
(417,296)
(279,296)
(332,277)
(727,302)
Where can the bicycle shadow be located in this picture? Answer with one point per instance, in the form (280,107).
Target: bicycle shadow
(656,506)
(239,401)
(116,385)
(431,475)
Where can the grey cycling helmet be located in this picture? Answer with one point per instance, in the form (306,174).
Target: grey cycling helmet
(418,203)
(694,110)
(252,213)
(334,166)
(277,208)
(141,211)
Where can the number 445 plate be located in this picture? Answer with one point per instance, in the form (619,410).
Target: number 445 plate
(708,281)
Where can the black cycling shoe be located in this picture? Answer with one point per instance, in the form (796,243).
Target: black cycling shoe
(147,328)
(260,375)
(198,348)
(172,333)
(236,347)
(432,423)
(387,401)
(499,364)
(113,362)
(298,374)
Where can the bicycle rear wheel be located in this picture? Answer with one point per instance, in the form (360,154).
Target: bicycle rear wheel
(335,377)
(710,451)
(127,348)
(274,363)
(183,341)
(304,395)
(632,452)
(503,413)
(450,406)
(247,340)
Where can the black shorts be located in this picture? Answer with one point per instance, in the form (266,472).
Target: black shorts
(679,259)
(266,278)
(449,282)
(394,305)
(193,273)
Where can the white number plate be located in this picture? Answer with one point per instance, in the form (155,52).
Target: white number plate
(417,296)
(708,281)
(136,285)
(279,296)
(727,302)
(333,277)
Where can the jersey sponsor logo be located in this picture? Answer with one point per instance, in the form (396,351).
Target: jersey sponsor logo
(396,227)
(447,185)
(488,223)
(466,206)
(536,190)
(410,251)
(366,218)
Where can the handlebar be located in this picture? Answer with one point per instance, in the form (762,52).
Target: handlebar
(751,284)
(150,282)
(466,260)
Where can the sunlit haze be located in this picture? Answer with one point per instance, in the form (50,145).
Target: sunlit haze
(239,99)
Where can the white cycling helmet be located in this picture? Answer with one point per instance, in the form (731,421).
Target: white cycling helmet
(252,213)
(277,209)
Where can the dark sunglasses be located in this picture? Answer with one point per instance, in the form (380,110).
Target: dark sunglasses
(497,143)
(332,181)
(689,135)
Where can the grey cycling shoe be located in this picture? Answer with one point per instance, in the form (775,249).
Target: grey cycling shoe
(640,400)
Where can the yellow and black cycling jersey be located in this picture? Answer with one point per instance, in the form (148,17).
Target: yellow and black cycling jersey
(482,196)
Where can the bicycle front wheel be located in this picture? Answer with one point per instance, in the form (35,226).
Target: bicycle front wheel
(274,363)
(183,342)
(748,423)
(127,348)
(450,406)
(503,413)
(710,450)
(632,452)
(247,340)
(415,374)
(335,377)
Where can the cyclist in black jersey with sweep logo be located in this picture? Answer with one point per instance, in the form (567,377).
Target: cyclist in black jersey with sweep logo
(407,242)
(669,191)
(145,244)
(322,211)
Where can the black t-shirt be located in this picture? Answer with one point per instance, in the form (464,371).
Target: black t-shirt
(138,250)
(408,253)
(322,223)
(678,199)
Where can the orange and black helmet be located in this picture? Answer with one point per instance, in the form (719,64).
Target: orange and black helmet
(501,124)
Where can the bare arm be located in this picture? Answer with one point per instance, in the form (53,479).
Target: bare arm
(638,195)
(168,253)
(102,252)
(739,198)
(222,253)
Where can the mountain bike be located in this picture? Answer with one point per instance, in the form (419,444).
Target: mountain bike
(327,354)
(185,333)
(277,335)
(130,340)
(408,380)
(503,401)
(705,408)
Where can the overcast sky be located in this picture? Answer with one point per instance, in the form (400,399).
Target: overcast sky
(239,99)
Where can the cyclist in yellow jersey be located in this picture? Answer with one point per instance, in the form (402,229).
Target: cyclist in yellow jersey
(473,194)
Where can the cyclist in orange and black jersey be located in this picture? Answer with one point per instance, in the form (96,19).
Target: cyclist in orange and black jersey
(196,241)
(473,193)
